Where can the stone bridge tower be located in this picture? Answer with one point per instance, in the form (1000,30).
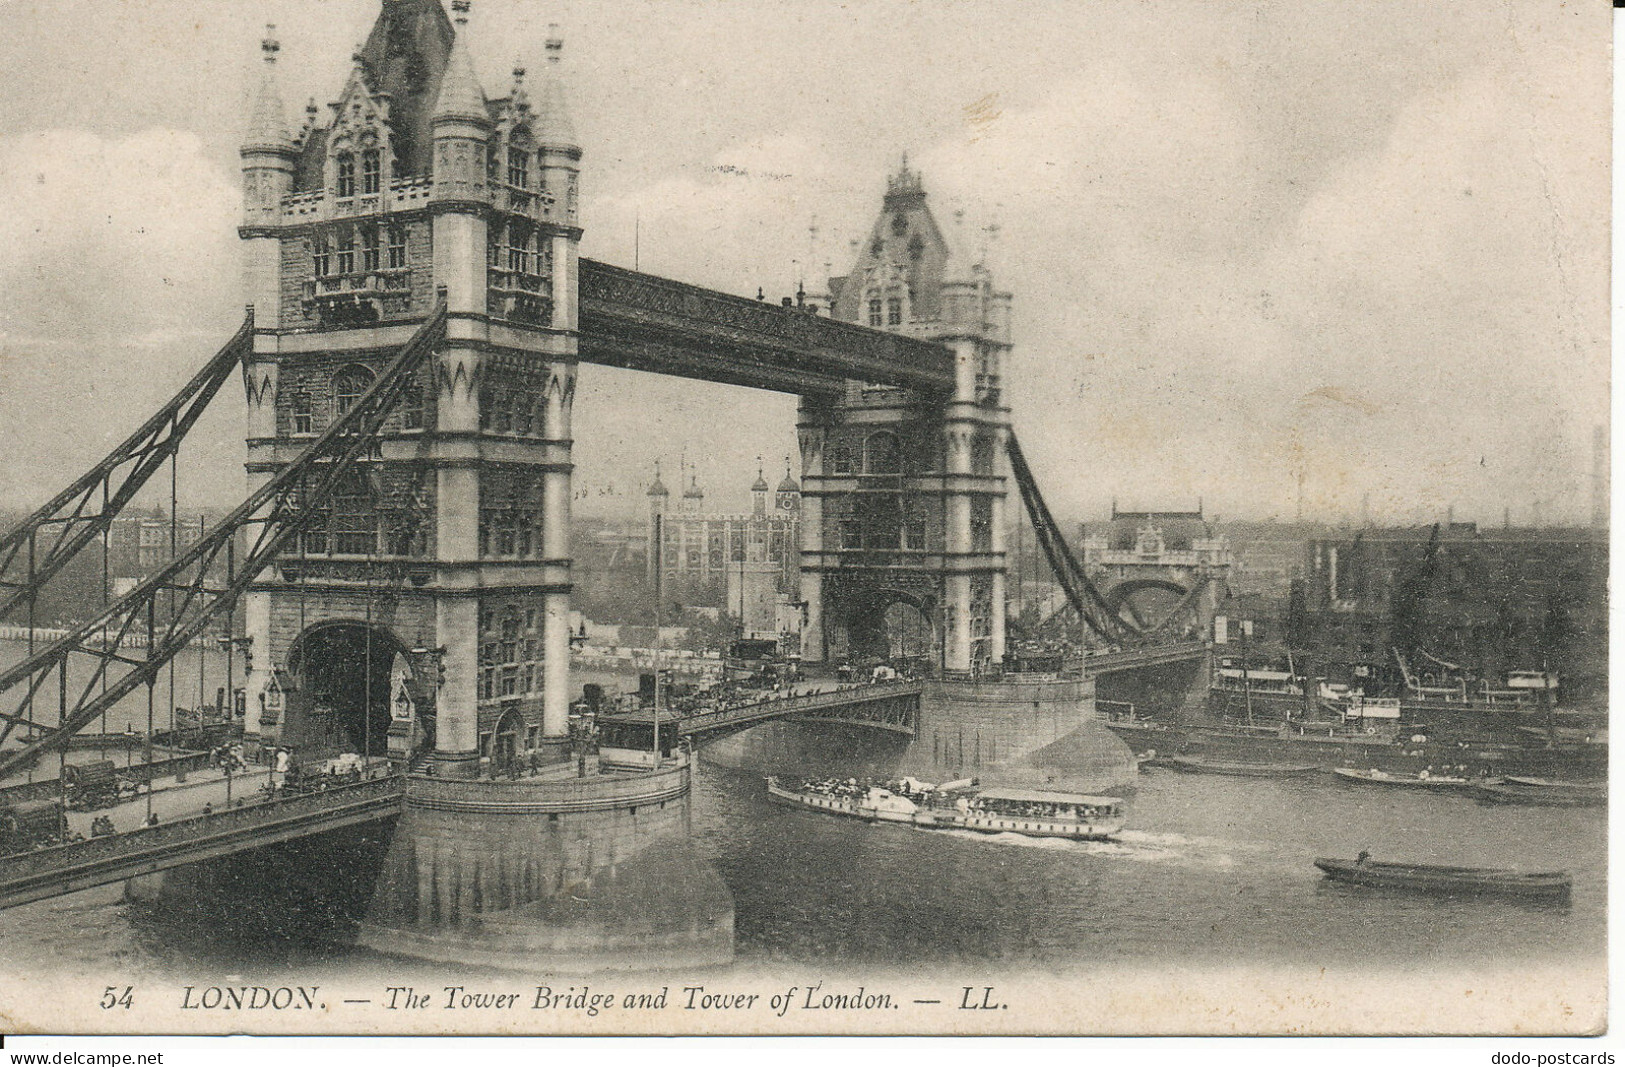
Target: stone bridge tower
(431,597)
(903,493)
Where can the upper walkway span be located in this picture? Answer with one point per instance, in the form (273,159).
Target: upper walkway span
(643,322)
(890,706)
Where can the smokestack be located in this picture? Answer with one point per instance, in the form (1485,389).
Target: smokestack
(1599,477)
(1449,516)
(1506,518)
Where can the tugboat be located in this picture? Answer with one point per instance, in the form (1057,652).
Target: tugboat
(959,806)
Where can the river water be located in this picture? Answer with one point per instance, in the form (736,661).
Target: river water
(1210,870)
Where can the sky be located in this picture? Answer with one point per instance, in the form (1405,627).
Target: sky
(1357,248)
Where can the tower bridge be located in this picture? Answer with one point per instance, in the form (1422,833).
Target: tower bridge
(418,315)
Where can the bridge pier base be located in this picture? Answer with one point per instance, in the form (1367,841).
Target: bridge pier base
(574,874)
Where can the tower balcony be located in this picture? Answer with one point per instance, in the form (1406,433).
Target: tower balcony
(520,296)
(317,205)
(358,298)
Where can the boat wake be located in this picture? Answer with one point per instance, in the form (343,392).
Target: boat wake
(1134,845)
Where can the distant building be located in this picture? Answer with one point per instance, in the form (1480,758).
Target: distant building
(745,563)
(1486,601)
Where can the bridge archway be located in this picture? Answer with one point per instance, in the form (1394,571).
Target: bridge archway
(343,689)
(895,626)
(1145,603)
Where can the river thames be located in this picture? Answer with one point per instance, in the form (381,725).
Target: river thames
(1210,872)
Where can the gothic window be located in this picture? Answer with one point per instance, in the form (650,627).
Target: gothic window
(303,417)
(321,255)
(369,249)
(914,532)
(346,175)
(517,255)
(523,406)
(894,311)
(874,311)
(510,652)
(372,172)
(490,648)
(346,256)
(518,168)
(840,460)
(397,247)
(349,385)
(916,247)
(881,454)
(504,411)
(981,524)
(354,522)
(412,405)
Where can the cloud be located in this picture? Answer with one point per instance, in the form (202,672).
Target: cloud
(119,262)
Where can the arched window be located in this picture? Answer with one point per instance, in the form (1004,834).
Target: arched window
(881,454)
(346,175)
(372,172)
(874,311)
(349,385)
(369,248)
(894,311)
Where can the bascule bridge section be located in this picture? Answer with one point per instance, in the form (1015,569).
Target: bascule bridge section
(903,490)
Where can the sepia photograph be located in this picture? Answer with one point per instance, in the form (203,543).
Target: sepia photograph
(809,517)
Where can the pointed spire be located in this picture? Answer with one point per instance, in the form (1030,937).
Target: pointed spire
(268,123)
(957,269)
(517,98)
(460,93)
(555,128)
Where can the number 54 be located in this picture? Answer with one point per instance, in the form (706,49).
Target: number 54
(112,998)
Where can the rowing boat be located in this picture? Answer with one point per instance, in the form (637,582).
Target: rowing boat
(1405,781)
(1453,881)
(1504,793)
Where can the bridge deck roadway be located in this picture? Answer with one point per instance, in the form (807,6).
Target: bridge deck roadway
(824,703)
(50,872)
(1129,659)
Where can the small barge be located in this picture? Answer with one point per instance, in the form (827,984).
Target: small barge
(1200,765)
(960,806)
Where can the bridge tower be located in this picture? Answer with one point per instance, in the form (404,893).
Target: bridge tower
(446,560)
(903,492)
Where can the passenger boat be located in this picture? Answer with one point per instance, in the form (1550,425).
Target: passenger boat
(1030,812)
(1454,881)
(1196,765)
(1420,780)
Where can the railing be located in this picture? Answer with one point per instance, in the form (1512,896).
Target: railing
(82,864)
(708,721)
